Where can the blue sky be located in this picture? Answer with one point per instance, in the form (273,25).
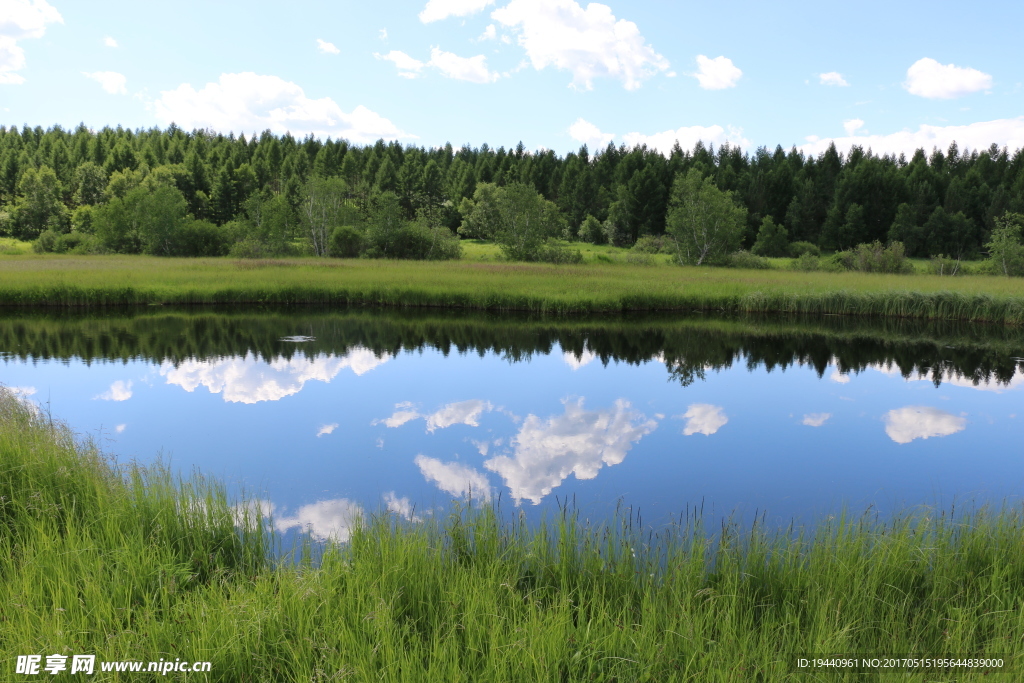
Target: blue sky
(554,74)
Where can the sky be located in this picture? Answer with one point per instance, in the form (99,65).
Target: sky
(554,74)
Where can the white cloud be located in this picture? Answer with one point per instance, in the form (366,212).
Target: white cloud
(587,133)
(688,136)
(112,82)
(455,479)
(703,418)
(251,102)
(437,10)
(472,69)
(717,74)
(590,43)
(462,412)
(120,428)
(326,429)
(921,422)
(327,48)
(109,42)
(816,419)
(580,442)
(401,506)
(927,78)
(334,519)
(853,125)
(1003,132)
(249,379)
(576,362)
(408,67)
(245,513)
(1016,382)
(839,377)
(490,33)
(832,78)
(383,34)
(118,391)
(21,19)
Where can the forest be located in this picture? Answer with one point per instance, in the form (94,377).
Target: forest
(199,193)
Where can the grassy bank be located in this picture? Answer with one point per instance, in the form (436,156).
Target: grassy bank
(132,564)
(31,280)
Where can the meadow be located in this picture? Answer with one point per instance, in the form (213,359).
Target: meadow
(136,563)
(605,282)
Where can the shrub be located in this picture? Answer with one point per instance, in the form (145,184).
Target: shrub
(1006,253)
(71,243)
(553,254)
(945,265)
(798,249)
(649,244)
(875,258)
(592,231)
(744,259)
(44,243)
(772,239)
(201,238)
(413,241)
(346,242)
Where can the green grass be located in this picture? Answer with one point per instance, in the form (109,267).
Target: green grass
(131,563)
(29,280)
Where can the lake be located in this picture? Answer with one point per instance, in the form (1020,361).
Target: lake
(325,416)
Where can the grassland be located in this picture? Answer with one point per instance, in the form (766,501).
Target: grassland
(129,563)
(54,280)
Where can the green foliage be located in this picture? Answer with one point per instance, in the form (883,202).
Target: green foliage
(346,241)
(480,215)
(592,231)
(1005,250)
(772,239)
(875,258)
(798,249)
(705,222)
(39,206)
(390,235)
(200,238)
(50,241)
(748,261)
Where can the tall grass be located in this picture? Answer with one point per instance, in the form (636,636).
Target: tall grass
(137,280)
(132,563)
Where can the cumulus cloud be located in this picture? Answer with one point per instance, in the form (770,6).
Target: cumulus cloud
(853,125)
(703,418)
(408,67)
(21,19)
(120,428)
(326,519)
(326,429)
(1003,132)
(118,391)
(717,74)
(402,507)
(472,69)
(327,48)
(436,10)
(589,43)
(832,78)
(587,133)
(252,102)
(816,419)
(490,33)
(250,379)
(454,478)
(462,412)
(688,136)
(109,42)
(921,422)
(928,78)
(111,81)
(576,362)
(839,377)
(579,442)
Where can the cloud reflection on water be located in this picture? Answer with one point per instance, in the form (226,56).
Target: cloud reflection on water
(903,425)
(455,478)
(703,418)
(249,379)
(580,442)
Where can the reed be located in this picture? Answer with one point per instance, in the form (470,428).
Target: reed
(74,281)
(132,563)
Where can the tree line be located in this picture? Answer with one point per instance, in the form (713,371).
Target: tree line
(202,193)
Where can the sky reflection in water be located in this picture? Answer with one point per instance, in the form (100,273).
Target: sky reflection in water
(323,438)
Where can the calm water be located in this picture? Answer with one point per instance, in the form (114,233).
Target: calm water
(324,415)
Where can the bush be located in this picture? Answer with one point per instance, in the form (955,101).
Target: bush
(71,243)
(201,238)
(1006,253)
(250,247)
(44,243)
(944,265)
(798,249)
(807,262)
(649,244)
(553,254)
(744,259)
(414,241)
(346,241)
(592,231)
(876,258)
(772,239)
